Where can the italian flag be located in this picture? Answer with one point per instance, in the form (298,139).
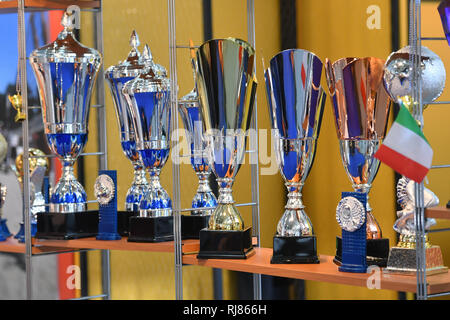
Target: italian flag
(405,149)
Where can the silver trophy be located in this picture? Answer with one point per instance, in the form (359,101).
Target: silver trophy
(226,88)
(65,72)
(361,108)
(147,98)
(296,101)
(116,77)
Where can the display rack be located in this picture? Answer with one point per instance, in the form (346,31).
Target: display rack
(415,41)
(185,251)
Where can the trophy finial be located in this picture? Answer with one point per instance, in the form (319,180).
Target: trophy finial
(147,53)
(67,21)
(134,40)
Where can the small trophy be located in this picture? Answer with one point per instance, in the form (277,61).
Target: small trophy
(16,102)
(402,257)
(361,108)
(226,87)
(106,193)
(65,73)
(116,77)
(296,101)
(38,165)
(148,101)
(189,109)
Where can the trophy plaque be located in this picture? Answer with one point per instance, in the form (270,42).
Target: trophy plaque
(295,110)
(361,108)
(105,189)
(65,73)
(226,87)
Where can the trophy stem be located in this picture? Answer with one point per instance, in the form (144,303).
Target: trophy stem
(225,191)
(372,226)
(203,183)
(204,196)
(294,195)
(138,187)
(225,216)
(155,202)
(139,174)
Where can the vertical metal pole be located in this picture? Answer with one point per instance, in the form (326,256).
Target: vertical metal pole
(102,140)
(254,161)
(175,152)
(416,83)
(26,164)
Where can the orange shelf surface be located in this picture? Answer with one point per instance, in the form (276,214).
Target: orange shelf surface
(325,271)
(36,5)
(13,245)
(438,213)
(188,246)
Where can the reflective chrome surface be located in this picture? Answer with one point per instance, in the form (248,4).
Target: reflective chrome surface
(361,109)
(397,73)
(405,224)
(226,87)
(65,73)
(147,99)
(116,77)
(189,109)
(296,102)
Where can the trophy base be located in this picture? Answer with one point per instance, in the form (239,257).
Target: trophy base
(123,221)
(20,236)
(192,224)
(294,250)
(4,231)
(150,229)
(377,251)
(226,244)
(66,226)
(403,261)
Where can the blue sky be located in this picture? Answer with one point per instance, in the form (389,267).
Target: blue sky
(8,50)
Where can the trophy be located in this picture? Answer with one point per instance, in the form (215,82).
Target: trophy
(296,101)
(16,102)
(116,77)
(189,109)
(226,87)
(402,257)
(4,231)
(361,109)
(65,72)
(444,12)
(148,101)
(38,166)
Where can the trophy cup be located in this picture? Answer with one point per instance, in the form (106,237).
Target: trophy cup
(361,109)
(38,166)
(226,87)
(65,72)
(16,102)
(296,101)
(116,77)
(402,257)
(189,109)
(444,12)
(148,101)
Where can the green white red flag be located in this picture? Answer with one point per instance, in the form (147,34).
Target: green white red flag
(405,149)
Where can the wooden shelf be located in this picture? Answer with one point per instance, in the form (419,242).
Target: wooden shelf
(325,271)
(438,213)
(188,246)
(13,245)
(41,5)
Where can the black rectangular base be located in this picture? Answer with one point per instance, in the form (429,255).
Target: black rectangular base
(377,252)
(150,229)
(294,250)
(192,224)
(123,221)
(66,226)
(225,244)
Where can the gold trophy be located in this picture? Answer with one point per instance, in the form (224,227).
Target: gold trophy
(16,102)
(402,257)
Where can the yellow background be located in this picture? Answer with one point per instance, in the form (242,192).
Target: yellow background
(331,29)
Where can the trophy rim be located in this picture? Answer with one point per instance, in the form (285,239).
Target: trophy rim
(238,41)
(296,50)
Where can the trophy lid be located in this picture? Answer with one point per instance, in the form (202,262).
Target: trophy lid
(132,66)
(66,49)
(152,79)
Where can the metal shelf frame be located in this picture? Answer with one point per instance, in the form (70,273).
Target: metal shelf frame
(257,293)
(102,143)
(415,41)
